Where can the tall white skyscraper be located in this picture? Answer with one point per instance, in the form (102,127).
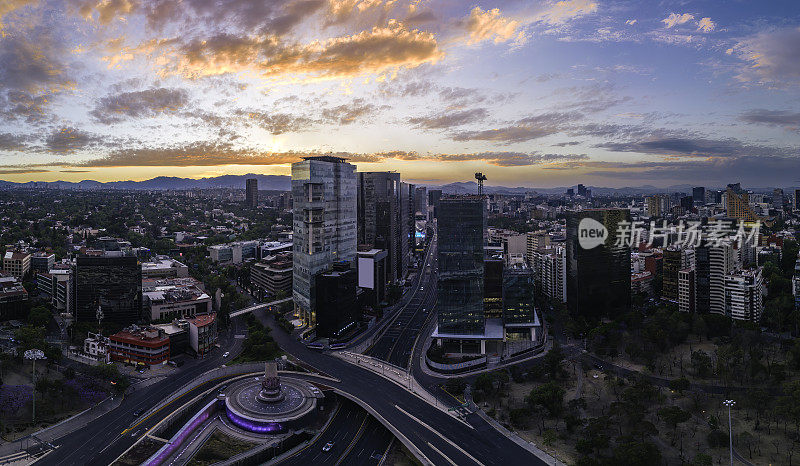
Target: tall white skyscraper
(324,190)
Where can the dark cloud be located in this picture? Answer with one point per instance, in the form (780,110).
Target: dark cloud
(196,154)
(12,142)
(688,145)
(21,171)
(772,56)
(565,144)
(781,118)
(138,104)
(349,113)
(758,170)
(449,119)
(532,127)
(67,140)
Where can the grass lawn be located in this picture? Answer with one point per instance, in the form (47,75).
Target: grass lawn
(220,447)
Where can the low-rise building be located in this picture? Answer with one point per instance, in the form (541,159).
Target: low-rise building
(42,261)
(139,345)
(17,264)
(164,267)
(96,346)
(203,333)
(174,298)
(13,299)
(273,275)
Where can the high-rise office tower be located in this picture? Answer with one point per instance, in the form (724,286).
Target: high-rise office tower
(421,200)
(687,202)
(324,193)
(699,195)
(518,303)
(777,199)
(111,282)
(743,299)
(434,195)
(462,226)
(581,190)
(672,264)
(796,199)
(598,278)
(702,288)
(251,192)
(379,217)
(407,209)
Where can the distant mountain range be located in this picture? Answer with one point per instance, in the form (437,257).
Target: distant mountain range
(265,182)
(283,183)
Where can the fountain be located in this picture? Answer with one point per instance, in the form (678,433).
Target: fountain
(271,391)
(270,403)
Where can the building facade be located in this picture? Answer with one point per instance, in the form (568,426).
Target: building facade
(251,192)
(462,226)
(112,283)
(17,264)
(324,225)
(598,279)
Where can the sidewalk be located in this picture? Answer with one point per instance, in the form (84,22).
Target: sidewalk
(51,433)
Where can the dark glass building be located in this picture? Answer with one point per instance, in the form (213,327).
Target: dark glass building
(518,302)
(380,220)
(112,282)
(702,287)
(251,192)
(462,225)
(598,279)
(699,195)
(493,265)
(434,196)
(337,308)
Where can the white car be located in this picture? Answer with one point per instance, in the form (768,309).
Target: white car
(327,446)
(226,354)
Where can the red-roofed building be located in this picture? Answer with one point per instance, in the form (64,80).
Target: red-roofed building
(140,345)
(203,333)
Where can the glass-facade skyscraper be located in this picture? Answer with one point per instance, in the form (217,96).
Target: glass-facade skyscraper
(462,226)
(113,283)
(324,192)
(598,279)
(379,217)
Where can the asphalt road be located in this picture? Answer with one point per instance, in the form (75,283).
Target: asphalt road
(102,440)
(439,436)
(345,430)
(397,342)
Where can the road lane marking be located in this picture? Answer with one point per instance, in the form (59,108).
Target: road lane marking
(442,454)
(440,435)
(358,435)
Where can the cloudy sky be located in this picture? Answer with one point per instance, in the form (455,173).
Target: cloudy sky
(532,93)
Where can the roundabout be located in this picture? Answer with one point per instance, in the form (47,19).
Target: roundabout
(270,404)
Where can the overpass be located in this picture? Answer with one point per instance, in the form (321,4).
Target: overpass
(259,307)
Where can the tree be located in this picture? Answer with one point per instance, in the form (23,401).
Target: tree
(552,360)
(39,316)
(679,385)
(633,453)
(549,396)
(672,416)
(701,363)
(702,460)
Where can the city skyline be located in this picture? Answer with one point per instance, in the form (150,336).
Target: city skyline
(530,93)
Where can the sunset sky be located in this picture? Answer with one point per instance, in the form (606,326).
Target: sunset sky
(532,93)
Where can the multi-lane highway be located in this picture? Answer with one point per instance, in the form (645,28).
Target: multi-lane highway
(351,446)
(396,344)
(438,437)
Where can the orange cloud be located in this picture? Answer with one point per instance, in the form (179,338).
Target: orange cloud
(107,10)
(372,51)
(489,25)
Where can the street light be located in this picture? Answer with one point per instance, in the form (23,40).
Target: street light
(730,404)
(34,354)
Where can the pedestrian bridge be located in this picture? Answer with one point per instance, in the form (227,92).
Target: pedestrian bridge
(260,306)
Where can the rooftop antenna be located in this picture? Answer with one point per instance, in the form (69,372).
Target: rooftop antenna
(481,178)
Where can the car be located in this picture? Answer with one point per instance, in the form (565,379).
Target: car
(226,354)
(137,413)
(327,446)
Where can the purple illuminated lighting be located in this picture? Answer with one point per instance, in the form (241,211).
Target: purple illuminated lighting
(180,437)
(254,426)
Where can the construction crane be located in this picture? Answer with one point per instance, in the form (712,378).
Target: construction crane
(481,178)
